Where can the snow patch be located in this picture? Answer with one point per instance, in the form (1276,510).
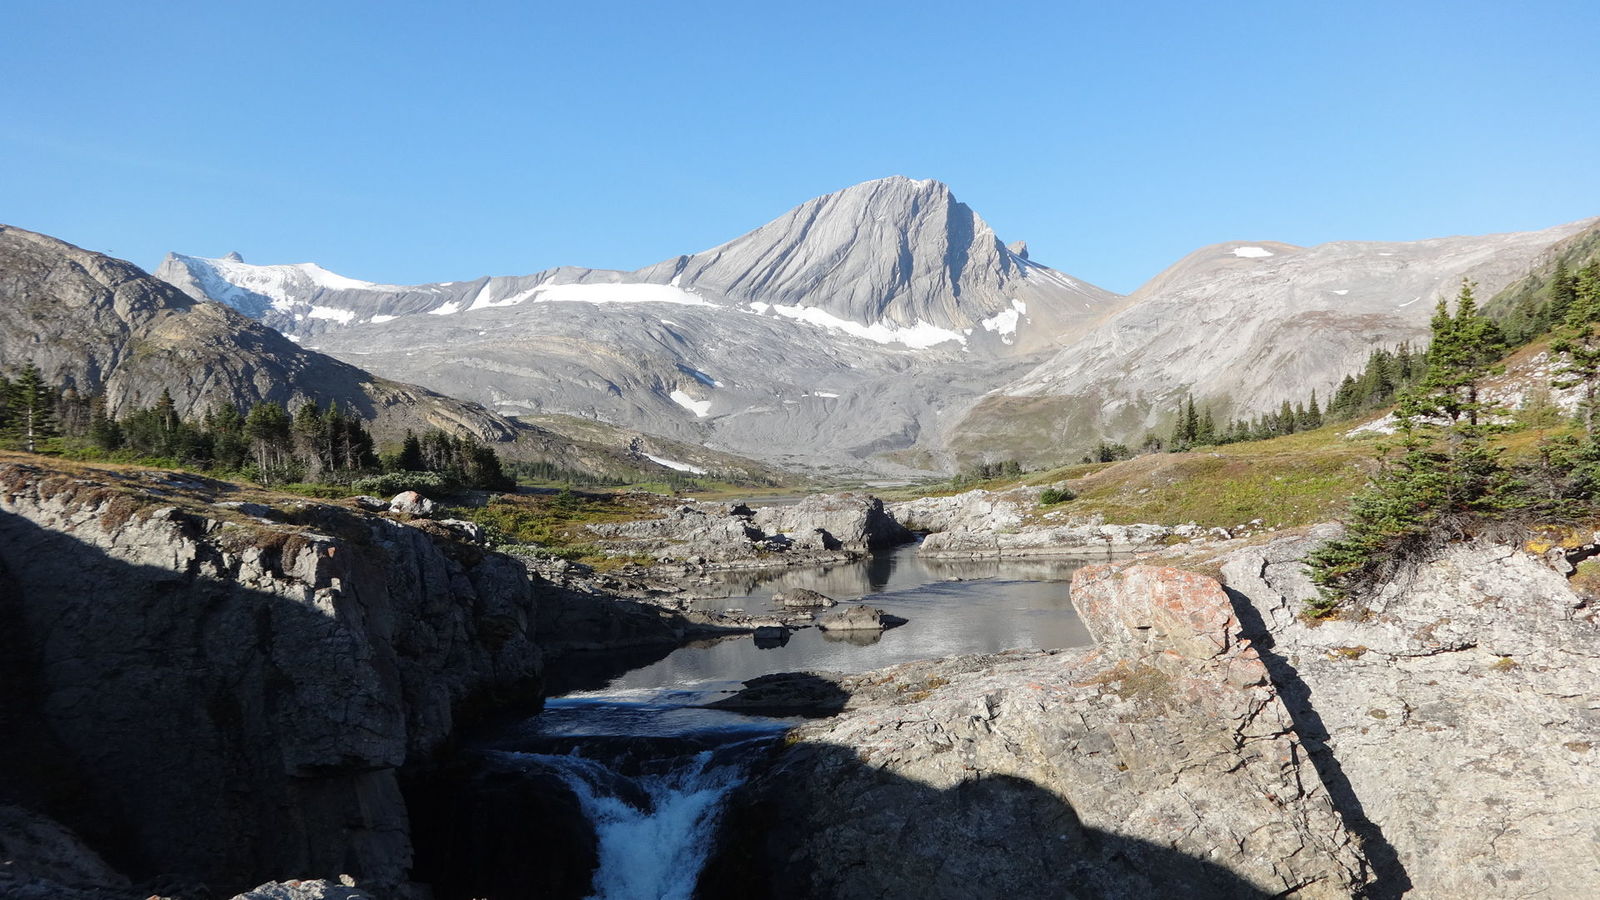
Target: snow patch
(1408,303)
(1340,293)
(379,320)
(1252,252)
(342,316)
(445,310)
(829,394)
(244,286)
(618,293)
(1005,321)
(701,408)
(699,376)
(919,336)
(674,464)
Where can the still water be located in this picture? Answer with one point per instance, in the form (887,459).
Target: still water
(952,607)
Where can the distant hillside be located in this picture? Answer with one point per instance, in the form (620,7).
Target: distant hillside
(1242,327)
(104,326)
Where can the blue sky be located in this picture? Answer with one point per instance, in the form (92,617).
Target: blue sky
(407,142)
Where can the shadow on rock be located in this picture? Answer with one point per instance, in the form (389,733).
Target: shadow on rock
(1391,880)
(992,837)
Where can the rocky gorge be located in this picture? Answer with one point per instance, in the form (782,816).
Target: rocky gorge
(215,688)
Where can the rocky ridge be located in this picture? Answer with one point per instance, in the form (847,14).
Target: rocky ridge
(848,329)
(1241,326)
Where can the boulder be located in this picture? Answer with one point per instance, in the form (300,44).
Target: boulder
(803,598)
(411,503)
(859,618)
(470,531)
(370,503)
(305,890)
(769,636)
(848,521)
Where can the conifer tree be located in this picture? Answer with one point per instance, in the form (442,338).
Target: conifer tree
(31,402)
(103,429)
(1444,476)
(1578,344)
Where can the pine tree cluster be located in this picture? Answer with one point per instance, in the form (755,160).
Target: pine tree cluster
(264,443)
(1442,479)
(1539,313)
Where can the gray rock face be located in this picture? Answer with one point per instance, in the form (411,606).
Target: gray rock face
(1458,714)
(304,890)
(1161,764)
(42,860)
(1243,327)
(857,324)
(233,697)
(1076,541)
(847,521)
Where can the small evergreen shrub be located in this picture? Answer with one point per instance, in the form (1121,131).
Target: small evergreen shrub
(1052,496)
(429,484)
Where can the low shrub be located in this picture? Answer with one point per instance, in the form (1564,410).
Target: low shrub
(429,484)
(1052,496)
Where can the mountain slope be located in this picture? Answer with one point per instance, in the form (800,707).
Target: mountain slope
(102,325)
(1243,326)
(857,324)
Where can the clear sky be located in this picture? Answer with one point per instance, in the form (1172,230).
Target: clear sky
(408,142)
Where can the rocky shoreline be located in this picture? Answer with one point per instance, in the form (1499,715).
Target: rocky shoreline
(1441,743)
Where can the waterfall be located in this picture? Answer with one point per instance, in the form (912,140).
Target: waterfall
(654,830)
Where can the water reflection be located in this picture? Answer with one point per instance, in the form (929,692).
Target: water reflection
(882,572)
(954,607)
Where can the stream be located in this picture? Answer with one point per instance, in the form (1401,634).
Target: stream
(650,769)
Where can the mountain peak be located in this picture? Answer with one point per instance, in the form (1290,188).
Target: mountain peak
(233,255)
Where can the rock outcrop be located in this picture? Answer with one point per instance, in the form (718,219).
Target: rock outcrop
(1163,762)
(1077,541)
(1455,713)
(230,697)
(820,528)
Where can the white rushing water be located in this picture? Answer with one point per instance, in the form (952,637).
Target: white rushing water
(654,831)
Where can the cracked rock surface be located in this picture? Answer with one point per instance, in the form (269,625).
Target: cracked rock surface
(1459,714)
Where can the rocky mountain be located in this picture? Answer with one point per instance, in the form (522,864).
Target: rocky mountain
(857,324)
(102,325)
(1242,326)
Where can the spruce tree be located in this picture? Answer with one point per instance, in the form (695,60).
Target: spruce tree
(103,429)
(31,402)
(1445,475)
(1578,344)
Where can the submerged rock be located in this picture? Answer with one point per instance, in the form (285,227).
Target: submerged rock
(803,598)
(859,618)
